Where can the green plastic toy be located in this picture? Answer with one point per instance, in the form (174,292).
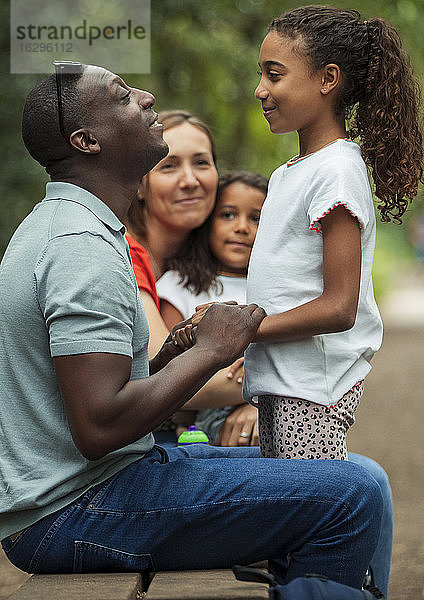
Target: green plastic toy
(192,436)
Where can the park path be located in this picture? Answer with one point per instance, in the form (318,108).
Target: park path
(389,429)
(390,423)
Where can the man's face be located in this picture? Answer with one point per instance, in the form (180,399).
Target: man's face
(122,120)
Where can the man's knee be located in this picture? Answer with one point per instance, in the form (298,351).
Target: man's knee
(375,470)
(365,496)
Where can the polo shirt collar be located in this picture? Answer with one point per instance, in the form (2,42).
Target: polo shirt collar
(74,193)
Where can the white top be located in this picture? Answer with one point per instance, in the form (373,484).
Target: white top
(169,288)
(285,271)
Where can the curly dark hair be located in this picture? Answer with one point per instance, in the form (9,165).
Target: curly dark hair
(379,92)
(197,266)
(40,121)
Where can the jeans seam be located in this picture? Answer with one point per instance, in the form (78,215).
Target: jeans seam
(36,557)
(101,492)
(220,503)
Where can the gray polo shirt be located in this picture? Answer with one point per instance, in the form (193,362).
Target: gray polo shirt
(66,287)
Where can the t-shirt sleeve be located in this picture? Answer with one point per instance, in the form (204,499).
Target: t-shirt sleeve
(344,184)
(170,289)
(87,295)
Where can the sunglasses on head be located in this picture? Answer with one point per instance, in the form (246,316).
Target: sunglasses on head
(64,67)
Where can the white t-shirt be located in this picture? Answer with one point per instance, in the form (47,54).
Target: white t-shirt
(169,288)
(285,271)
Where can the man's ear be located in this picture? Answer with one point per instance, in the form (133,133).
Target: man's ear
(84,141)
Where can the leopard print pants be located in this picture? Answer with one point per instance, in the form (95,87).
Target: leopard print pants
(294,428)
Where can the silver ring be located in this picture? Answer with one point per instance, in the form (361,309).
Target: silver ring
(243,434)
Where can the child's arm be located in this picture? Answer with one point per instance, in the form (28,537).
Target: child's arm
(170,314)
(335,309)
(158,329)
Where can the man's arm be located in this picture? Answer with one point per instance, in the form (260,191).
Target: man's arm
(106,410)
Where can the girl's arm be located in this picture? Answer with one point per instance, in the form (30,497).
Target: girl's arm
(170,314)
(219,391)
(335,309)
(158,329)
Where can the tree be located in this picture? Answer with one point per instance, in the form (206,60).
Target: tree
(204,59)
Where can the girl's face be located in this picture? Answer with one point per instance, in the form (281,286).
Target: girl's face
(290,95)
(180,189)
(234,224)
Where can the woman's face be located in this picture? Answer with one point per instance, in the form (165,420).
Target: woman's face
(180,190)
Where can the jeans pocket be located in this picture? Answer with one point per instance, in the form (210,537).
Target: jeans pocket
(90,558)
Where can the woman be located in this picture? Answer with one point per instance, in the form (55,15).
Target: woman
(165,222)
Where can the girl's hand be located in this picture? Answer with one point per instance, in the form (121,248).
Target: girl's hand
(173,346)
(202,309)
(243,419)
(236,370)
(183,337)
(200,312)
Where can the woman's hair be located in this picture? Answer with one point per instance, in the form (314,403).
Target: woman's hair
(379,91)
(196,265)
(136,217)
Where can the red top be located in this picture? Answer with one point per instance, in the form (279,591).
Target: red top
(143,269)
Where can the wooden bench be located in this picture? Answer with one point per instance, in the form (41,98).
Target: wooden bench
(203,585)
(214,584)
(91,586)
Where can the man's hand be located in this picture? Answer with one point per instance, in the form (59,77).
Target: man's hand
(240,427)
(228,330)
(107,410)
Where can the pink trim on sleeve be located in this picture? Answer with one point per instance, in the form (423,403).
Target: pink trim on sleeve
(312,226)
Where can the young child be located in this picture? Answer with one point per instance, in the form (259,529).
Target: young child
(225,246)
(311,263)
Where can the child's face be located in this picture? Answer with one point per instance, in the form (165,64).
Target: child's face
(234,224)
(290,95)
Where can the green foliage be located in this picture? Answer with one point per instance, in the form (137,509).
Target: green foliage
(204,59)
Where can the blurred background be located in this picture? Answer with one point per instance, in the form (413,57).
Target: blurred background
(204,59)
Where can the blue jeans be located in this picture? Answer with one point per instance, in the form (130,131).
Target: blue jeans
(201,509)
(382,557)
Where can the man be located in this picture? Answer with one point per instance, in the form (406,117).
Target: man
(83,487)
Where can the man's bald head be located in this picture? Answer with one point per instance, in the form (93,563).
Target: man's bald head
(40,119)
(102,116)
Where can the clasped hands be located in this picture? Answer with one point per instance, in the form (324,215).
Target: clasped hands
(183,335)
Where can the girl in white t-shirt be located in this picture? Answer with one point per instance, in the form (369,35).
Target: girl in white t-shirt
(311,263)
(227,239)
